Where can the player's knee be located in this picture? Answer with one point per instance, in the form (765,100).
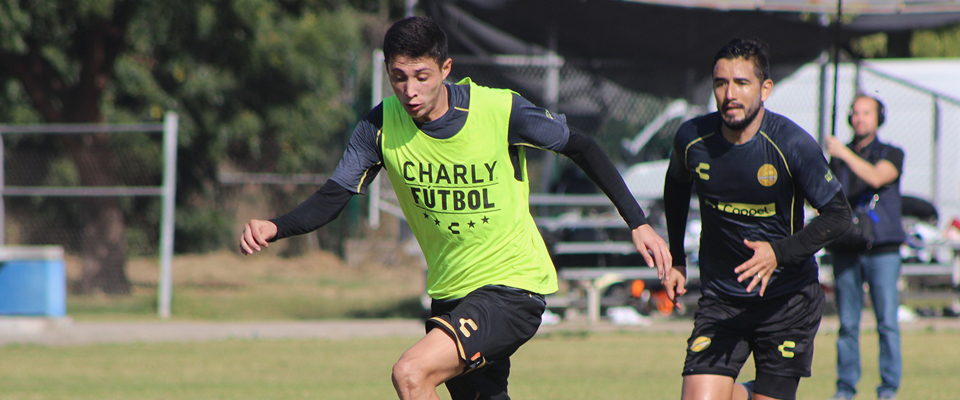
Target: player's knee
(406,373)
(403,370)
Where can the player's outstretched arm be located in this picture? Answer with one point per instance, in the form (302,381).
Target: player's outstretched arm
(875,175)
(586,153)
(313,213)
(256,235)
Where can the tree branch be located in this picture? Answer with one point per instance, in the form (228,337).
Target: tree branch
(41,81)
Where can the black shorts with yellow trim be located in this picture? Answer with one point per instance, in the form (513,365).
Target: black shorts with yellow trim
(778,331)
(490,323)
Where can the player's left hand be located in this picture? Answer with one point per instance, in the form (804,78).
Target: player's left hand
(758,268)
(674,283)
(653,249)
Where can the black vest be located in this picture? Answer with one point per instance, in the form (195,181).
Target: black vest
(888,229)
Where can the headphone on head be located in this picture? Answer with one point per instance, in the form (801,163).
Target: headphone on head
(881,110)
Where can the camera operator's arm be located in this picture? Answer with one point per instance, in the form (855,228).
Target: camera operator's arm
(883,173)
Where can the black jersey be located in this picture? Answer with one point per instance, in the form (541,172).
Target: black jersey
(752,191)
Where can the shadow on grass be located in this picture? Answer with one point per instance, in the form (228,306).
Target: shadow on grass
(407,308)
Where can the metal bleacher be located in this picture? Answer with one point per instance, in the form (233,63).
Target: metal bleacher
(587,283)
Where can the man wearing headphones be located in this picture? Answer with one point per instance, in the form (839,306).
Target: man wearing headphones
(869,172)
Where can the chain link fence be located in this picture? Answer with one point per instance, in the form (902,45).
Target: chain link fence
(926,125)
(105,193)
(922,121)
(36,162)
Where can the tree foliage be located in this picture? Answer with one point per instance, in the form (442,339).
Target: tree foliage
(259,85)
(929,43)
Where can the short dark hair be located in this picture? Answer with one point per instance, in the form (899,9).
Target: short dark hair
(415,37)
(881,109)
(751,50)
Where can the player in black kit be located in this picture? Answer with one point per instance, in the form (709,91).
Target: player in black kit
(752,170)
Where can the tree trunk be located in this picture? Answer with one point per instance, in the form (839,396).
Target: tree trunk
(103,243)
(104,248)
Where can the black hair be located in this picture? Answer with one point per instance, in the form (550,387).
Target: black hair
(415,37)
(751,50)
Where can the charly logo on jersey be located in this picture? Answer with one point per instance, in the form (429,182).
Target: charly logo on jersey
(701,170)
(452,189)
(749,210)
(767,175)
(467,323)
(786,347)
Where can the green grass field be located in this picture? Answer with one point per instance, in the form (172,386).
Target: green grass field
(226,286)
(561,365)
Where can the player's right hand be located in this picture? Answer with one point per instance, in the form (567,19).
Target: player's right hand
(255,235)
(675,284)
(653,248)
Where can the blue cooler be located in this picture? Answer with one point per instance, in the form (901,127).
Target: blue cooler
(33,281)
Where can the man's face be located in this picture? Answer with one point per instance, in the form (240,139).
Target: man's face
(418,83)
(863,117)
(739,92)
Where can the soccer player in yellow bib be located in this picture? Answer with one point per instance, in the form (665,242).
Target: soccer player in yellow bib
(455,156)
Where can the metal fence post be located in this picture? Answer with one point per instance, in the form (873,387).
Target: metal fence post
(169,204)
(376,97)
(935,153)
(3,210)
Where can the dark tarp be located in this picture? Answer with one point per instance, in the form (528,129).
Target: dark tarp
(662,50)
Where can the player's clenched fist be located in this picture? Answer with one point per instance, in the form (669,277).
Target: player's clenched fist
(255,235)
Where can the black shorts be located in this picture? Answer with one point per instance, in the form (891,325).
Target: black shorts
(488,326)
(779,332)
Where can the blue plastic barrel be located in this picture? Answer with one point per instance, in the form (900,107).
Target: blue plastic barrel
(33,281)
